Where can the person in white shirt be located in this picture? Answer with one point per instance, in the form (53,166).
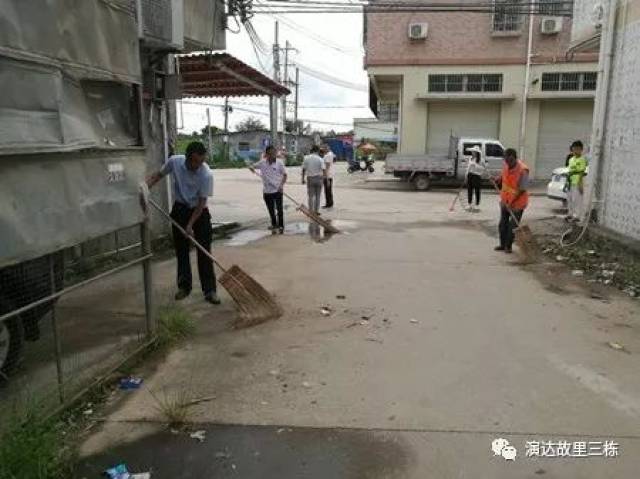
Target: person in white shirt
(329,158)
(473,177)
(315,170)
(274,176)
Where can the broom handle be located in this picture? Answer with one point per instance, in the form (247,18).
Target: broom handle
(457,194)
(508,209)
(191,238)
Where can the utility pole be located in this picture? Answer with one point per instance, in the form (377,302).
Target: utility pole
(295,113)
(273,101)
(527,85)
(226,128)
(209,140)
(285,82)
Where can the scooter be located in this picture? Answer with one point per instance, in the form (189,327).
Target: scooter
(365,164)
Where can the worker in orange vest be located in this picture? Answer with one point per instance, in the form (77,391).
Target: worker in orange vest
(514,197)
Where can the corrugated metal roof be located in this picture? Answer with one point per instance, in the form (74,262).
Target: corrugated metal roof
(220,75)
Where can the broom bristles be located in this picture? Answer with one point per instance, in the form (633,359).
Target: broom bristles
(255,304)
(329,228)
(526,243)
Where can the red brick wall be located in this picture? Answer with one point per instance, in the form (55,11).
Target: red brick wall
(458,38)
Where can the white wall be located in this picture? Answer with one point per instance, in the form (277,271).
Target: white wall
(582,26)
(621,153)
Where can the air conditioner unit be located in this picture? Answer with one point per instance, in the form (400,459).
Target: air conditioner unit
(161,23)
(418,31)
(551,25)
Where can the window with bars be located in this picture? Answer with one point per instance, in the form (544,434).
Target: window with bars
(507,15)
(553,8)
(388,112)
(471,83)
(569,81)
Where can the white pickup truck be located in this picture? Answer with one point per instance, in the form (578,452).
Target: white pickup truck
(423,170)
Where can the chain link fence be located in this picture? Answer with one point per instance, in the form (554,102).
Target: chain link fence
(70,318)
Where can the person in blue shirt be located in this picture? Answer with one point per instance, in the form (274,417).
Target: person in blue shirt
(192,182)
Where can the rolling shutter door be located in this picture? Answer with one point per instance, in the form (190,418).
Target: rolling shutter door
(468,119)
(561,122)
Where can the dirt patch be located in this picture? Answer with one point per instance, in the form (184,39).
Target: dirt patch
(596,260)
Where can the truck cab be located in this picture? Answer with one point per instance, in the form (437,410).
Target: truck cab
(492,153)
(423,170)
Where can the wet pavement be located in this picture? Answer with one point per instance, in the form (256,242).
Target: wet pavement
(407,346)
(253,452)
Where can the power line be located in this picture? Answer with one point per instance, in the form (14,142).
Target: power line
(331,79)
(451,6)
(320,39)
(262,113)
(321,6)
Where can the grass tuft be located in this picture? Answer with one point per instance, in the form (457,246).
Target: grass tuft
(173,406)
(174,325)
(32,448)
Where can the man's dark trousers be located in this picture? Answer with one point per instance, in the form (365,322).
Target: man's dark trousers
(507,226)
(328,192)
(274,204)
(203,233)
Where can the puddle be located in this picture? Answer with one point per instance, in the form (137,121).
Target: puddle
(300,228)
(344,224)
(315,232)
(245,237)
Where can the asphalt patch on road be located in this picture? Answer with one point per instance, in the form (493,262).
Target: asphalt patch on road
(260,452)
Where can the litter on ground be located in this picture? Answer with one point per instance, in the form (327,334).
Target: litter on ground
(121,472)
(200,436)
(130,383)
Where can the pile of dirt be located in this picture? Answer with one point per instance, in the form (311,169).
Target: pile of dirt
(597,256)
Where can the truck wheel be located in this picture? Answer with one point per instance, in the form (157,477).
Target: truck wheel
(11,341)
(422,182)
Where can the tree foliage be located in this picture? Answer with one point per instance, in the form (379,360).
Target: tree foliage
(250,123)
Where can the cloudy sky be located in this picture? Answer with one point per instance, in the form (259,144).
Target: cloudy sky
(330,43)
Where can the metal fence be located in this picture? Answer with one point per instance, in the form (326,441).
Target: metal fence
(68,321)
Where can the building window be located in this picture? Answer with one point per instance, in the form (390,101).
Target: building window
(471,83)
(244,146)
(388,112)
(507,15)
(569,81)
(554,8)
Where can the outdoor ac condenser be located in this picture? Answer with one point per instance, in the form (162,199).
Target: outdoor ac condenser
(551,25)
(418,31)
(161,23)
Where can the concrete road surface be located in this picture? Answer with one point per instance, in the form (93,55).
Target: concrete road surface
(431,347)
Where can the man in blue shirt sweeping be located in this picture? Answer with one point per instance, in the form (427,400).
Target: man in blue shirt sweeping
(192,182)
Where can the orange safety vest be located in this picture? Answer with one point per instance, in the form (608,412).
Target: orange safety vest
(510,180)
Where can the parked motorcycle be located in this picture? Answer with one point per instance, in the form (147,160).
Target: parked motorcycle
(363,164)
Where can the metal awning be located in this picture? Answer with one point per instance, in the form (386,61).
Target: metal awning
(221,75)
